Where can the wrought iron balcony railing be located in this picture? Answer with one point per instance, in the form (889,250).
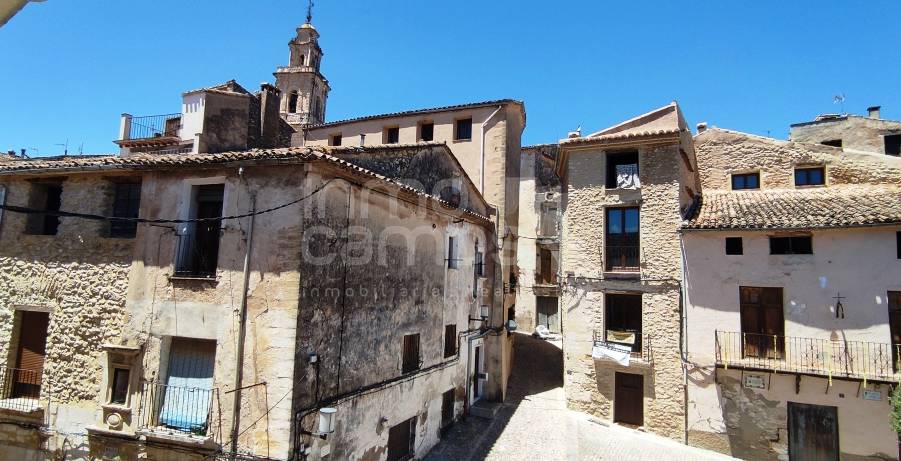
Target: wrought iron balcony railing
(638,344)
(21,389)
(622,258)
(179,409)
(840,358)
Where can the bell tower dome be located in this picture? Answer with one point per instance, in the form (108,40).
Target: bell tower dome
(304,88)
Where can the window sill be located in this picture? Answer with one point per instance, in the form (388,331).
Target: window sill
(167,436)
(462,140)
(620,274)
(185,278)
(103,432)
(809,186)
(117,407)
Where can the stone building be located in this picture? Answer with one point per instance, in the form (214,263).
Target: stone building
(264,286)
(538,241)
(625,189)
(793,294)
(852,132)
(485,138)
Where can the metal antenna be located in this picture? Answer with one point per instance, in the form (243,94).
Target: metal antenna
(839,99)
(309,11)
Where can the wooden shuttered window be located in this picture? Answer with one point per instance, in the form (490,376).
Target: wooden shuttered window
(450,340)
(30,353)
(762,322)
(411,353)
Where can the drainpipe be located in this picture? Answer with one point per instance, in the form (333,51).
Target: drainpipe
(683,336)
(482,148)
(242,327)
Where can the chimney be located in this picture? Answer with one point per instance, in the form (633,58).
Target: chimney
(702,127)
(270,119)
(23,153)
(873,111)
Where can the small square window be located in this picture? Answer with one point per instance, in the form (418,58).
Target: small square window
(463,130)
(893,144)
(392,135)
(426,131)
(335,140)
(734,246)
(119,388)
(809,177)
(800,245)
(746,181)
(832,142)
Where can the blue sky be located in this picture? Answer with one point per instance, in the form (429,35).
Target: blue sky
(69,68)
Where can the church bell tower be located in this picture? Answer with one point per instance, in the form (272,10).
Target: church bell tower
(304,89)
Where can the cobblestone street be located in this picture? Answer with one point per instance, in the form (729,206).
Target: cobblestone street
(535,424)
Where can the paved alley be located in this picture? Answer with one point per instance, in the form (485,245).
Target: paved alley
(535,424)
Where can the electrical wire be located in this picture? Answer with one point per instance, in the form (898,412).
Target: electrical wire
(94,217)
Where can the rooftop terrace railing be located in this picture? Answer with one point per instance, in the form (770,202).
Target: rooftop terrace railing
(154,126)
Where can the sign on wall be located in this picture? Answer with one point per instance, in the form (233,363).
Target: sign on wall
(872,395)
(755,381)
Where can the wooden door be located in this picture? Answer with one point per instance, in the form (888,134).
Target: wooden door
(894,322)
(762,322)
(812,432)
(30,354)
(628,399)
(402,440)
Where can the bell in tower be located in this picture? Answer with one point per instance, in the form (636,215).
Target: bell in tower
(304,88)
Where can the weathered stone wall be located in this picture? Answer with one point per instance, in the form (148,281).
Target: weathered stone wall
(589,382)
(721,153)
(856,132)
(80,277)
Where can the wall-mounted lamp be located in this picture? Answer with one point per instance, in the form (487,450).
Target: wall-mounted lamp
(326,423)
(511,326)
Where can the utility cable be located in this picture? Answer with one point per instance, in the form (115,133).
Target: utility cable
(94,217)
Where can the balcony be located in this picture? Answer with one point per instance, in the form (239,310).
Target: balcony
(179,410)
(21,389)
(151,130)
(622,258)
(634,343)
(809,356)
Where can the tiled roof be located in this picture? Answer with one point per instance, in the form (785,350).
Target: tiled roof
(419,111)
(143,161)
(822,207)
(661,121)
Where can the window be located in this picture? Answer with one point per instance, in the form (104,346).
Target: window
(799,245)
(621,242)
(463,130)
(335,140)
(762,322)
(198,254)
(623,320)
(622,170)
(411,353)
(426,131)
(479,264)
(478,271)
(2,200)
(391,135)
(898,243)
(450,341)
(362,139)
(317,108)
(893,144)
(809,176)
(187,392)
(292,102)
(734,246)
(126,203)
(30,352)
(548,220)
(452,253)
(119,389)
(547,273)
(894,323)
(44,196)
(832,142)
(746,181)
(447,408)
(402,441)
(302,60)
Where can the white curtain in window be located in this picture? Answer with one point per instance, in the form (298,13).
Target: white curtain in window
(627,176)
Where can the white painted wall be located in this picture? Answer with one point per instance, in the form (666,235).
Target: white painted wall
(192,108)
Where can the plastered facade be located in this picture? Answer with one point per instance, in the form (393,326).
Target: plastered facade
(859,263)
(857,133)
(664,175)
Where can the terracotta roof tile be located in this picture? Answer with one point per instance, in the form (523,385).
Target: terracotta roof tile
(827,207)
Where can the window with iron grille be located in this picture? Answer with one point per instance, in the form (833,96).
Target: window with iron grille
(411,359)
(622,239)
(126,203)
(794,245)
(450,341)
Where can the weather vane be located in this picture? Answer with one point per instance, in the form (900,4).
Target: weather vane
(309,11)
